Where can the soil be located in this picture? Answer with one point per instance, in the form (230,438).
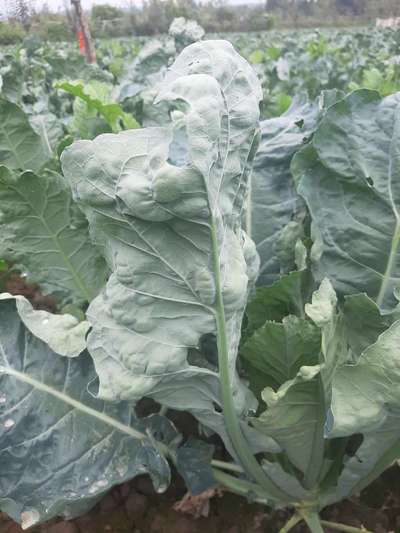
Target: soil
(15,284)
(135,507)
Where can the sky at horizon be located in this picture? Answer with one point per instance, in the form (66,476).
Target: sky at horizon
(8,7)
(87,4)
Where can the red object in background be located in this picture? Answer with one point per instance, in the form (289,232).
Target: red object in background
(81,41)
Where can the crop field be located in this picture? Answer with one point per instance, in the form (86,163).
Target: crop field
(200,283)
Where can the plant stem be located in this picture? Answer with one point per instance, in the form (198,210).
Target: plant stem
(296,518)
(163,410)
(390,264)
(313,521)
(227,466)
(240,445)
(343,527)
(317,444)
(241,486)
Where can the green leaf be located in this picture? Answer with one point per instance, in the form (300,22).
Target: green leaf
(86,122)
(307,358)
(49,127)
(273,52)
(65,141)
(287,296)
(150,62)
(61,448)
(277,351)
(287,480)
(367,393)
(295,414)
(45,233)
(323,312)
(113,113)
(363,322)
(193,462)
(281,104)
(295,418)
(349,179)
(273,194)
(257,56)
(3,273)
(64,334)
(172,234)
(378,450)
(20,147)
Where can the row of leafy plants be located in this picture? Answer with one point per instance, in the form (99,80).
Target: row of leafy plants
(304,63)
(311,61)
(264,302)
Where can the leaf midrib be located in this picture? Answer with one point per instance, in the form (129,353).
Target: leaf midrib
(85,291)
(101,416)
(21,164)
(396,234)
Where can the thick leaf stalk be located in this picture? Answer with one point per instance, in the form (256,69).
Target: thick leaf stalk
(240,445)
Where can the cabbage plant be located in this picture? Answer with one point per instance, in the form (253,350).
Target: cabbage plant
(293,372)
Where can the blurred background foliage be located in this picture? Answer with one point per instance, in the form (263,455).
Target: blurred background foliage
(155,16)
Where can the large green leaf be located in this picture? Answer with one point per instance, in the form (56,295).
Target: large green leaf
(44,232)
(367,393)
(60,448)
(350,178)
(172,236)
(20,147)
(275,206)
(277,215)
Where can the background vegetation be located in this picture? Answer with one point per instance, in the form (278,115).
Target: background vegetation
(156,15)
